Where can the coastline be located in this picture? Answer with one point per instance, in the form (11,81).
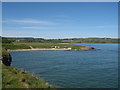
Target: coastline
(50,49)
(37,49)
(18,78)
(23,79)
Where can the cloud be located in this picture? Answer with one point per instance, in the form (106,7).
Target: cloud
(29,21)
(34,27)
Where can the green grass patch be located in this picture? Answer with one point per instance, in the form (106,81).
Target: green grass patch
(14,78)
(13,46)
(49,45)
(42,46)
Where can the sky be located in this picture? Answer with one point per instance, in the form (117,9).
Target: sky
(60,0)
(60,19)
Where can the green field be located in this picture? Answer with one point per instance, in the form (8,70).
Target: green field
(65,40)
(39,45)
(13,46)
(49,45)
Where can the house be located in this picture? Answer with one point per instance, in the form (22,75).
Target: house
(54,47)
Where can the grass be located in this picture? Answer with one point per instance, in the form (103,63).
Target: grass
(14,78)
(49,45)
(43,46)
(13,46)
(4,51)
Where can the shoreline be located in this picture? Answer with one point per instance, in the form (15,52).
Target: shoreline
(37,49)
(22,79)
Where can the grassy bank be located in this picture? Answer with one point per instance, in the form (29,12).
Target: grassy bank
(14,78)
(41,45)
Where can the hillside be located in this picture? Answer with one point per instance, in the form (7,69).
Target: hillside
(65,40)
(14,78)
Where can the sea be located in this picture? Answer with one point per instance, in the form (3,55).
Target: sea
(96,68)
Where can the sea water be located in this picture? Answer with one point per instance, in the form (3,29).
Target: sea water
(73,69)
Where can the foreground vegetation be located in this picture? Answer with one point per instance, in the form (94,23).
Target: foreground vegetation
(14,78)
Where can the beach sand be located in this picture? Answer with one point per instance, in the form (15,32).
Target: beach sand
(36,49)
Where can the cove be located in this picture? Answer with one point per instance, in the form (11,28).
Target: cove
(73,69)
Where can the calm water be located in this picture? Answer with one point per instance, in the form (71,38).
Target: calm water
(73,69)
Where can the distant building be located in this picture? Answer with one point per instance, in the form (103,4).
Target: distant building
(54,47)
(69,48)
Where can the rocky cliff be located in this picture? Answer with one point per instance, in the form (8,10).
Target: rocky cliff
(6,57)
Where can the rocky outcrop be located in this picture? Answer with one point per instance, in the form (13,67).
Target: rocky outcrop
(6,58)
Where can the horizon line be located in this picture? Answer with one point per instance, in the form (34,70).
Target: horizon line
(59,38)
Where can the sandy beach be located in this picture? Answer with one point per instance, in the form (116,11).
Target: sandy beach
(36,49)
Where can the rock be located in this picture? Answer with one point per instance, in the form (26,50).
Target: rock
(46,83)
(6,59)
(23,80)
(22,71)
(29,83)
(8,83)
(15,73)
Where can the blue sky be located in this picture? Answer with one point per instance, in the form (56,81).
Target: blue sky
(60,20)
